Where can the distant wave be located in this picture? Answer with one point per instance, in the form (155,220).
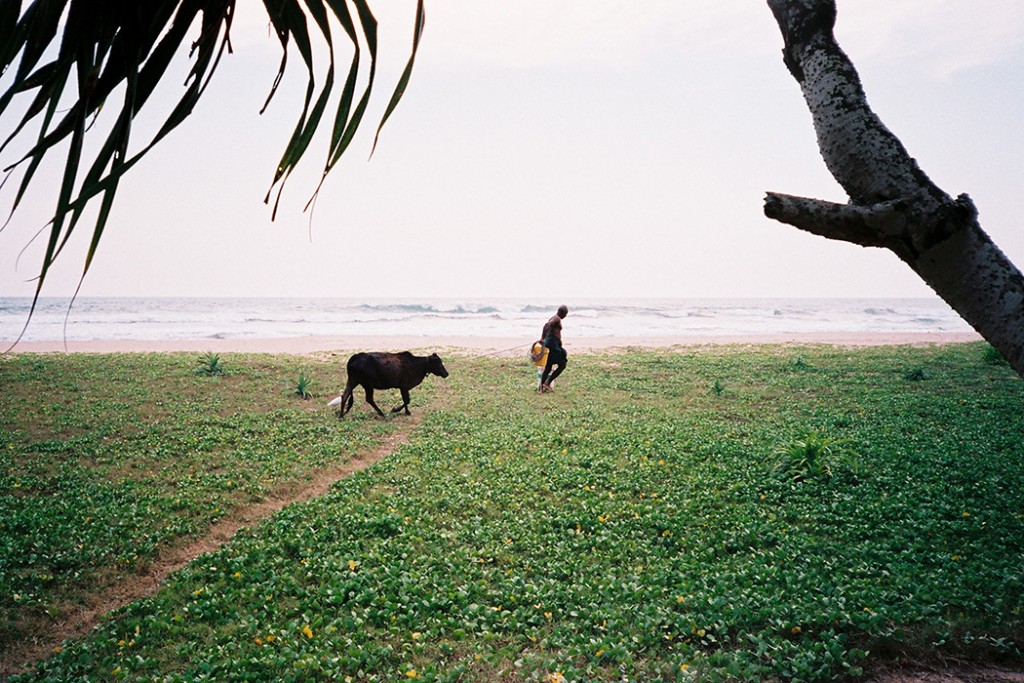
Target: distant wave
(187,318)
(407,308)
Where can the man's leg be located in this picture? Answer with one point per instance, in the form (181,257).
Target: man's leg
(544,381)
(557,372)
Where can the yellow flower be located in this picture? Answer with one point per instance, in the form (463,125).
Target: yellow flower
(307,631)
(411,673)
(680,598)
(555,677)
(352,564)
(415,635)
(547,615)
(700,633)
(684,667)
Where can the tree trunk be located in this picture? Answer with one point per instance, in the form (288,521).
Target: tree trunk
(893,204)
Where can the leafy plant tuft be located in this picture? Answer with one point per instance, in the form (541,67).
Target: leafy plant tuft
(813,456)
(302,386)
(916,375)
(992,356)
(209,364)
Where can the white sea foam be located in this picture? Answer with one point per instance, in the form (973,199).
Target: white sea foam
(171,318)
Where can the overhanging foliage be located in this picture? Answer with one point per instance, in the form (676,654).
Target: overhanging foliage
(87,51)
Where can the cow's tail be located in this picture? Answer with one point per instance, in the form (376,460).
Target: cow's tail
(346,399)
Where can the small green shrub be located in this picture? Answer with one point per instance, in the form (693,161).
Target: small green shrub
(302,386)
(717,388)
(209,364)
(916,375)
(813,456)
(992,356)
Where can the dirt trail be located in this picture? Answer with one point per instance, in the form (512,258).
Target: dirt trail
(76,621)
(950,673)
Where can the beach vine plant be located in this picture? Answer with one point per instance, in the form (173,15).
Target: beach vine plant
(624,531)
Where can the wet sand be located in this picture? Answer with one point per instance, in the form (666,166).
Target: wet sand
(477,346)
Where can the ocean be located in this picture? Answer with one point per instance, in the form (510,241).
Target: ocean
(129,318)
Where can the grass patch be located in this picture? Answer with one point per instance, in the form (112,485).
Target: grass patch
(106,459)
(633,525)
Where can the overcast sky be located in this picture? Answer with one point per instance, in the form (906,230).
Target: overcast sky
(561,149)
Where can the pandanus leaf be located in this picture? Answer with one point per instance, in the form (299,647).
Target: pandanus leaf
(127,44)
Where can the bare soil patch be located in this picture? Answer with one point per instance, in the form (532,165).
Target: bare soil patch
(949,673)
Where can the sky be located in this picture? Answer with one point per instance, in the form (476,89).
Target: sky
(567,150)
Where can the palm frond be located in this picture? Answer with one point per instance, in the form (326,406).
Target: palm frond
(92,49)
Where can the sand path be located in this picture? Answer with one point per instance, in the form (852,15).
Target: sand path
(75,621)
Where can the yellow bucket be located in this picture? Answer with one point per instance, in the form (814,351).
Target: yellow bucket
(543,359)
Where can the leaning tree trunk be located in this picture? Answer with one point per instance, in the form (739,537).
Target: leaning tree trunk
(893,204)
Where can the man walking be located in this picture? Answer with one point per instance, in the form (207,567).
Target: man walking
(557,357)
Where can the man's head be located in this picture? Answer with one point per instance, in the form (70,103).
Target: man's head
(563,311)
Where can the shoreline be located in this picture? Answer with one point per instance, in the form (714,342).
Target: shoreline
(488,346)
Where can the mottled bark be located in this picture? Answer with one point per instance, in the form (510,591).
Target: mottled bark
(893,204)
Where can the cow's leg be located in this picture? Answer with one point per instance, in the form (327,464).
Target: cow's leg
(369,399)
(405,403)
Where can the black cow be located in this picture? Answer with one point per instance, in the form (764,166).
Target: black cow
(401,371)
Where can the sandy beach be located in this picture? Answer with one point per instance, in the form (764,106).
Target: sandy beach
(478,346)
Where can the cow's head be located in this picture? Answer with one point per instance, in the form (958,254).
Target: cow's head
(435,366)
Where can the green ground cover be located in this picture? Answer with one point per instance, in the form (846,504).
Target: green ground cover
(735,512)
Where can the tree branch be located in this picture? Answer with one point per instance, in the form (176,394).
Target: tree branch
(879,225)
